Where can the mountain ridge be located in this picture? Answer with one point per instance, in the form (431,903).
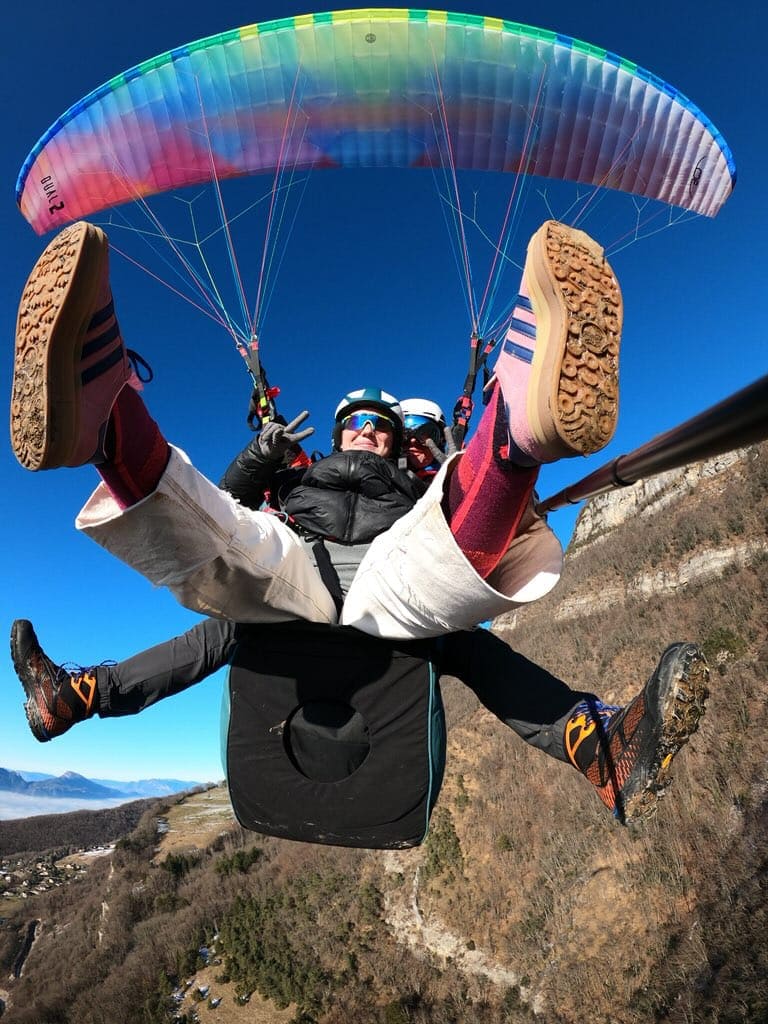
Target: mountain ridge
(155,786)
(69,784)
(44,794)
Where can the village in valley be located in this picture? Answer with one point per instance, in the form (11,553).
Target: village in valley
(24,876)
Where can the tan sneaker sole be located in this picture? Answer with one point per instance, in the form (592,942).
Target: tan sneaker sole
(573,396)
(56,307)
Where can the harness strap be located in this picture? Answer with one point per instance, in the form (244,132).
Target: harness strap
(328,573)
(261,406)
(462,411)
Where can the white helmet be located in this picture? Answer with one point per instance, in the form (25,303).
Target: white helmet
(423,407)
(424,419)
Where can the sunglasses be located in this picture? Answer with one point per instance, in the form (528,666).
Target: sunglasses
(423,429)
(357,421)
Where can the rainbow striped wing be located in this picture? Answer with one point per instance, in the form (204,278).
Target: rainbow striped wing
(376,88)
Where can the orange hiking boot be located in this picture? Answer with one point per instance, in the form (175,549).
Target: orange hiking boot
(70,362)
(56,698)
(558,367)
(626,753)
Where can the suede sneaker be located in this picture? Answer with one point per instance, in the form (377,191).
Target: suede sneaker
(56,697)
(627,753)
(70,362)
(558,367)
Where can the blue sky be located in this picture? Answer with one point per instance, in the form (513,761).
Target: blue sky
(368,294)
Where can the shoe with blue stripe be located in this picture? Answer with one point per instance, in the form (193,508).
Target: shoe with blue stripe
(558,367)
(70,361)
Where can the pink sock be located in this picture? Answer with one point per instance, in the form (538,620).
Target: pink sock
(486,494)
(137,453)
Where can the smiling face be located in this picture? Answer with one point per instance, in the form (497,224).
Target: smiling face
(367,431)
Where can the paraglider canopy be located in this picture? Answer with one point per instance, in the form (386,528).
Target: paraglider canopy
(376,88)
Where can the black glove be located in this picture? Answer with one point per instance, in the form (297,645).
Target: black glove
(450,447)
(276,438)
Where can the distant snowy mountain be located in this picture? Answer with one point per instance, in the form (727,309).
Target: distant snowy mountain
(150,787)
(34,776)
(138,788)
(70,784)
(12,781)
(25,794)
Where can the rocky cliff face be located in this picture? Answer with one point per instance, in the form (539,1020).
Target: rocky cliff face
(648,498)
(661,536)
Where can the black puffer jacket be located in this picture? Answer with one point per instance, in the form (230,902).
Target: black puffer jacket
(349,497)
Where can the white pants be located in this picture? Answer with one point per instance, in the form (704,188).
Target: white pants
(221,559)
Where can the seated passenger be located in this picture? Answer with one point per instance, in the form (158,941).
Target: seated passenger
(468,551)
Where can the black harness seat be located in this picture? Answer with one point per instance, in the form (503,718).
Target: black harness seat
(333,736)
